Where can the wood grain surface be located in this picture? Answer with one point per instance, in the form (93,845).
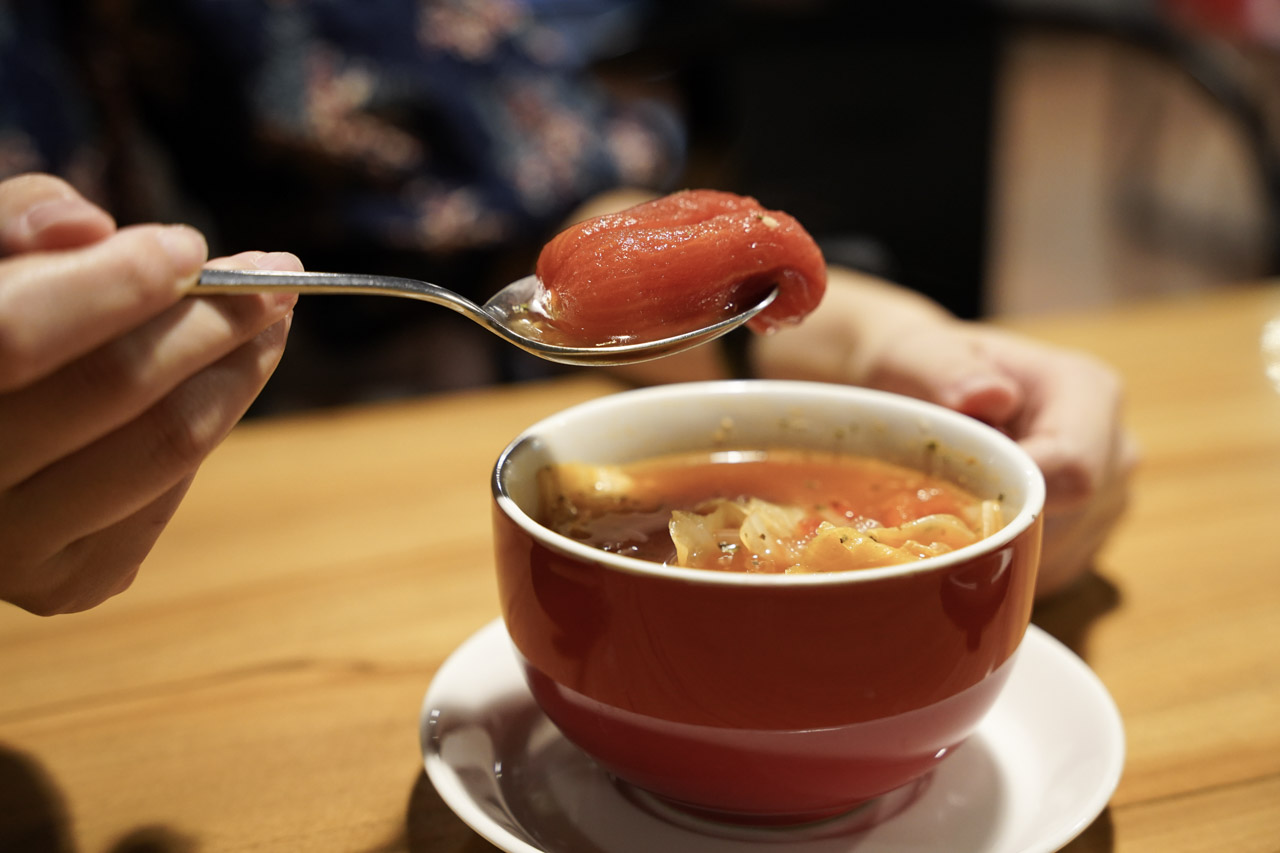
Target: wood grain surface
(258,688)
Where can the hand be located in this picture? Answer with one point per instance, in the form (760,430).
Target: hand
(1063,407)
(113,387)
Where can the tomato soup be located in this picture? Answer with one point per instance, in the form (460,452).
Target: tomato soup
(776,511)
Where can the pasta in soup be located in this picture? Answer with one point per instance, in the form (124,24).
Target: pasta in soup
(777,511)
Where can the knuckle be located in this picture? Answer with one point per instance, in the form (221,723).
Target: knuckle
(22,354)
(109,371)
(1102,375)
(145,269)
(17,365)
(48,603)
(1108,380)
(1078,478)
(177,442)
(44,588)
(76,578)
(69,595)
(138,269)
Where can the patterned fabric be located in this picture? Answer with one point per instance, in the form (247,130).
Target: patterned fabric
(437,139)
(425,125)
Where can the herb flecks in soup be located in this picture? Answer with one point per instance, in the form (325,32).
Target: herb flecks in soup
(783,511)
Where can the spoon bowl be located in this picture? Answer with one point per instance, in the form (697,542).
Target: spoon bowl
(507,314)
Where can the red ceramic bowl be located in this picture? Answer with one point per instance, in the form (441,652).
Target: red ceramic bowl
(766,698)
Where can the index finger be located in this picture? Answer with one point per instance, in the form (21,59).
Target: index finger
(56,306)
(45,213)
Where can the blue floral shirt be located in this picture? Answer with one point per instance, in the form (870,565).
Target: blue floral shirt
(449,124)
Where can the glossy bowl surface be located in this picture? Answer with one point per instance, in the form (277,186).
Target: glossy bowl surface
(766,698)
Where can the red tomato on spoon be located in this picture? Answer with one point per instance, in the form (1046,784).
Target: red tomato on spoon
(677,263)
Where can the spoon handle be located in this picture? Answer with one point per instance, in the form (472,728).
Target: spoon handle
(504,314)
(262,281)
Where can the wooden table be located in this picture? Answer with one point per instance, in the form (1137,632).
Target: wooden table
(258,688)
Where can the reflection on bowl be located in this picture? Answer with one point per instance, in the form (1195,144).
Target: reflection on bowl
(766,698)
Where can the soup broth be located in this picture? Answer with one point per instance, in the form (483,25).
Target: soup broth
(778,511)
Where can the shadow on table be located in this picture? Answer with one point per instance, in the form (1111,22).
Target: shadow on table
(432,827)
(1100,837)
(34,818)
(1069,615)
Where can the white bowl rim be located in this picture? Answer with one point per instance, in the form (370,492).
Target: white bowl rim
(1015,527)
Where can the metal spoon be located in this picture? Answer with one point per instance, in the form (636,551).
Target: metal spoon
(507,314)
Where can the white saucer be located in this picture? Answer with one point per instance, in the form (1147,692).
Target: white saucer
(1040,768)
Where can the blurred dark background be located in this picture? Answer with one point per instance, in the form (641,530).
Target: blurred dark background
(873,127)
(1000,157)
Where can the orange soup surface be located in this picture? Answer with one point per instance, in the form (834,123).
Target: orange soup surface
(765,511)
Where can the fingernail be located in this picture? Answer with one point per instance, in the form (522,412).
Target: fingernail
(57,211)
(55,223)
(994,399)
(186,249)
(283,261)
(277,261)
